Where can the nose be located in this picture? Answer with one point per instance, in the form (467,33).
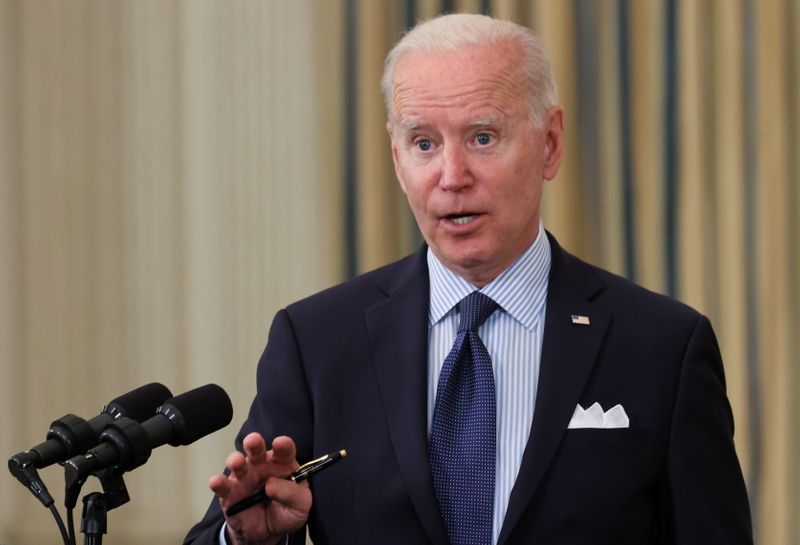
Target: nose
(455,172)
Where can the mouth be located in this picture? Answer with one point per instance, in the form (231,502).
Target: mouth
(461,219)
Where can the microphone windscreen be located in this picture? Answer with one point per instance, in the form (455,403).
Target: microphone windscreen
(139,404)
(203,410)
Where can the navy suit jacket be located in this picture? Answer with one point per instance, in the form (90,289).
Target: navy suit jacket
(346,368)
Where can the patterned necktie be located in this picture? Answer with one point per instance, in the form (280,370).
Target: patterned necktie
(462,444)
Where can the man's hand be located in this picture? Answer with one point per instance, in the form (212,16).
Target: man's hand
(258,468)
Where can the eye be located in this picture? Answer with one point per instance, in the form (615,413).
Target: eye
(423,144)
(483,138)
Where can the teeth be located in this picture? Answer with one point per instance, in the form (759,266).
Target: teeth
(461,220)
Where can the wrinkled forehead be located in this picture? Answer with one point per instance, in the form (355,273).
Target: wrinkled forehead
(475,78)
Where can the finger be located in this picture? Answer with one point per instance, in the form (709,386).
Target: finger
(220,485)
(295,496)
(237,464)
(283,452)
(255,448)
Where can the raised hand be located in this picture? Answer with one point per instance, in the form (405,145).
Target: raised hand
(258,468)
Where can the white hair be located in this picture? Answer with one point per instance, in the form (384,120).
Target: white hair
(457,31)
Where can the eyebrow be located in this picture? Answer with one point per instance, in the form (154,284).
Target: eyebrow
(411,125)
(489,121)
(416,125)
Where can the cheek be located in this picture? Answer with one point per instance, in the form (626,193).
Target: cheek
(521,193)
(529,166)
(415,195)
(400,171)
(416,183)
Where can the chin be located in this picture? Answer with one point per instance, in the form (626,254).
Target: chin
(465,261)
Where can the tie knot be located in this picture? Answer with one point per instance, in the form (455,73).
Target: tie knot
(475,309)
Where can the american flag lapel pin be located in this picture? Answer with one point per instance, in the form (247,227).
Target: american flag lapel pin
(577,319)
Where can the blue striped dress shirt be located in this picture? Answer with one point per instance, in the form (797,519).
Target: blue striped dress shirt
(513,337)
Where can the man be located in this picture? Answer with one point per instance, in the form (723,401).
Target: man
(470,418)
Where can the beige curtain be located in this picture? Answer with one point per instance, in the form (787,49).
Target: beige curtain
(169,178)
(682,172)
(173,172)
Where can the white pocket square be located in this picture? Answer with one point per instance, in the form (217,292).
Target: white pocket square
(594,417)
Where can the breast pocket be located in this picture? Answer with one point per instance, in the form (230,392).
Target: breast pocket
(605,437)
(597,475)
(611,463)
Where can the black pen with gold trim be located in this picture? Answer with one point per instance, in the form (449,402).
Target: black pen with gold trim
(300,474)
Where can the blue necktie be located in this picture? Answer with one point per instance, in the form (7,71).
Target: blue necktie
(462,444)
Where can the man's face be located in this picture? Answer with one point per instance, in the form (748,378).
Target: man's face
(469,157)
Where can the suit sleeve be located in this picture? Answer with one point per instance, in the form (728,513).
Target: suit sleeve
(705,496)
(281,407)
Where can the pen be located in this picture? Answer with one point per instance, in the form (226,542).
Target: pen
(300,474)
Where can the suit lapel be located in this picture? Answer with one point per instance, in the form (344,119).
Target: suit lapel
(398,333)
(568,354)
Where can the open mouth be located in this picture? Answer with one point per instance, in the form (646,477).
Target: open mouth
(461,219)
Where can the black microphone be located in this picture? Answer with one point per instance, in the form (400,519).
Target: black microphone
(126,444)
(71,435)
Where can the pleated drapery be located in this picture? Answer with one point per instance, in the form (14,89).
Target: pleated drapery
(173,172)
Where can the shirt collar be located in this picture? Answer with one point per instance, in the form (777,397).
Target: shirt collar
(520,290)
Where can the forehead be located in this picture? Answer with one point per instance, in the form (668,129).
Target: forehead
(480,81)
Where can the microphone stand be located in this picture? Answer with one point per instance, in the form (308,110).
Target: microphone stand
(96,505)
(94,520)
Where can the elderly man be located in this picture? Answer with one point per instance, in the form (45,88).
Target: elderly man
(490,388)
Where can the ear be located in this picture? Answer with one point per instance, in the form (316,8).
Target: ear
(553,141)
(395,155)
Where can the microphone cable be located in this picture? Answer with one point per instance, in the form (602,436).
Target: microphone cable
(64,536)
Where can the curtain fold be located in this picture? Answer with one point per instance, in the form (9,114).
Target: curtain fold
(173,179)
(681,173)
(172,173)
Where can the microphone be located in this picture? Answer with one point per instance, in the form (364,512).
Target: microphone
(126,444)
(71,435)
